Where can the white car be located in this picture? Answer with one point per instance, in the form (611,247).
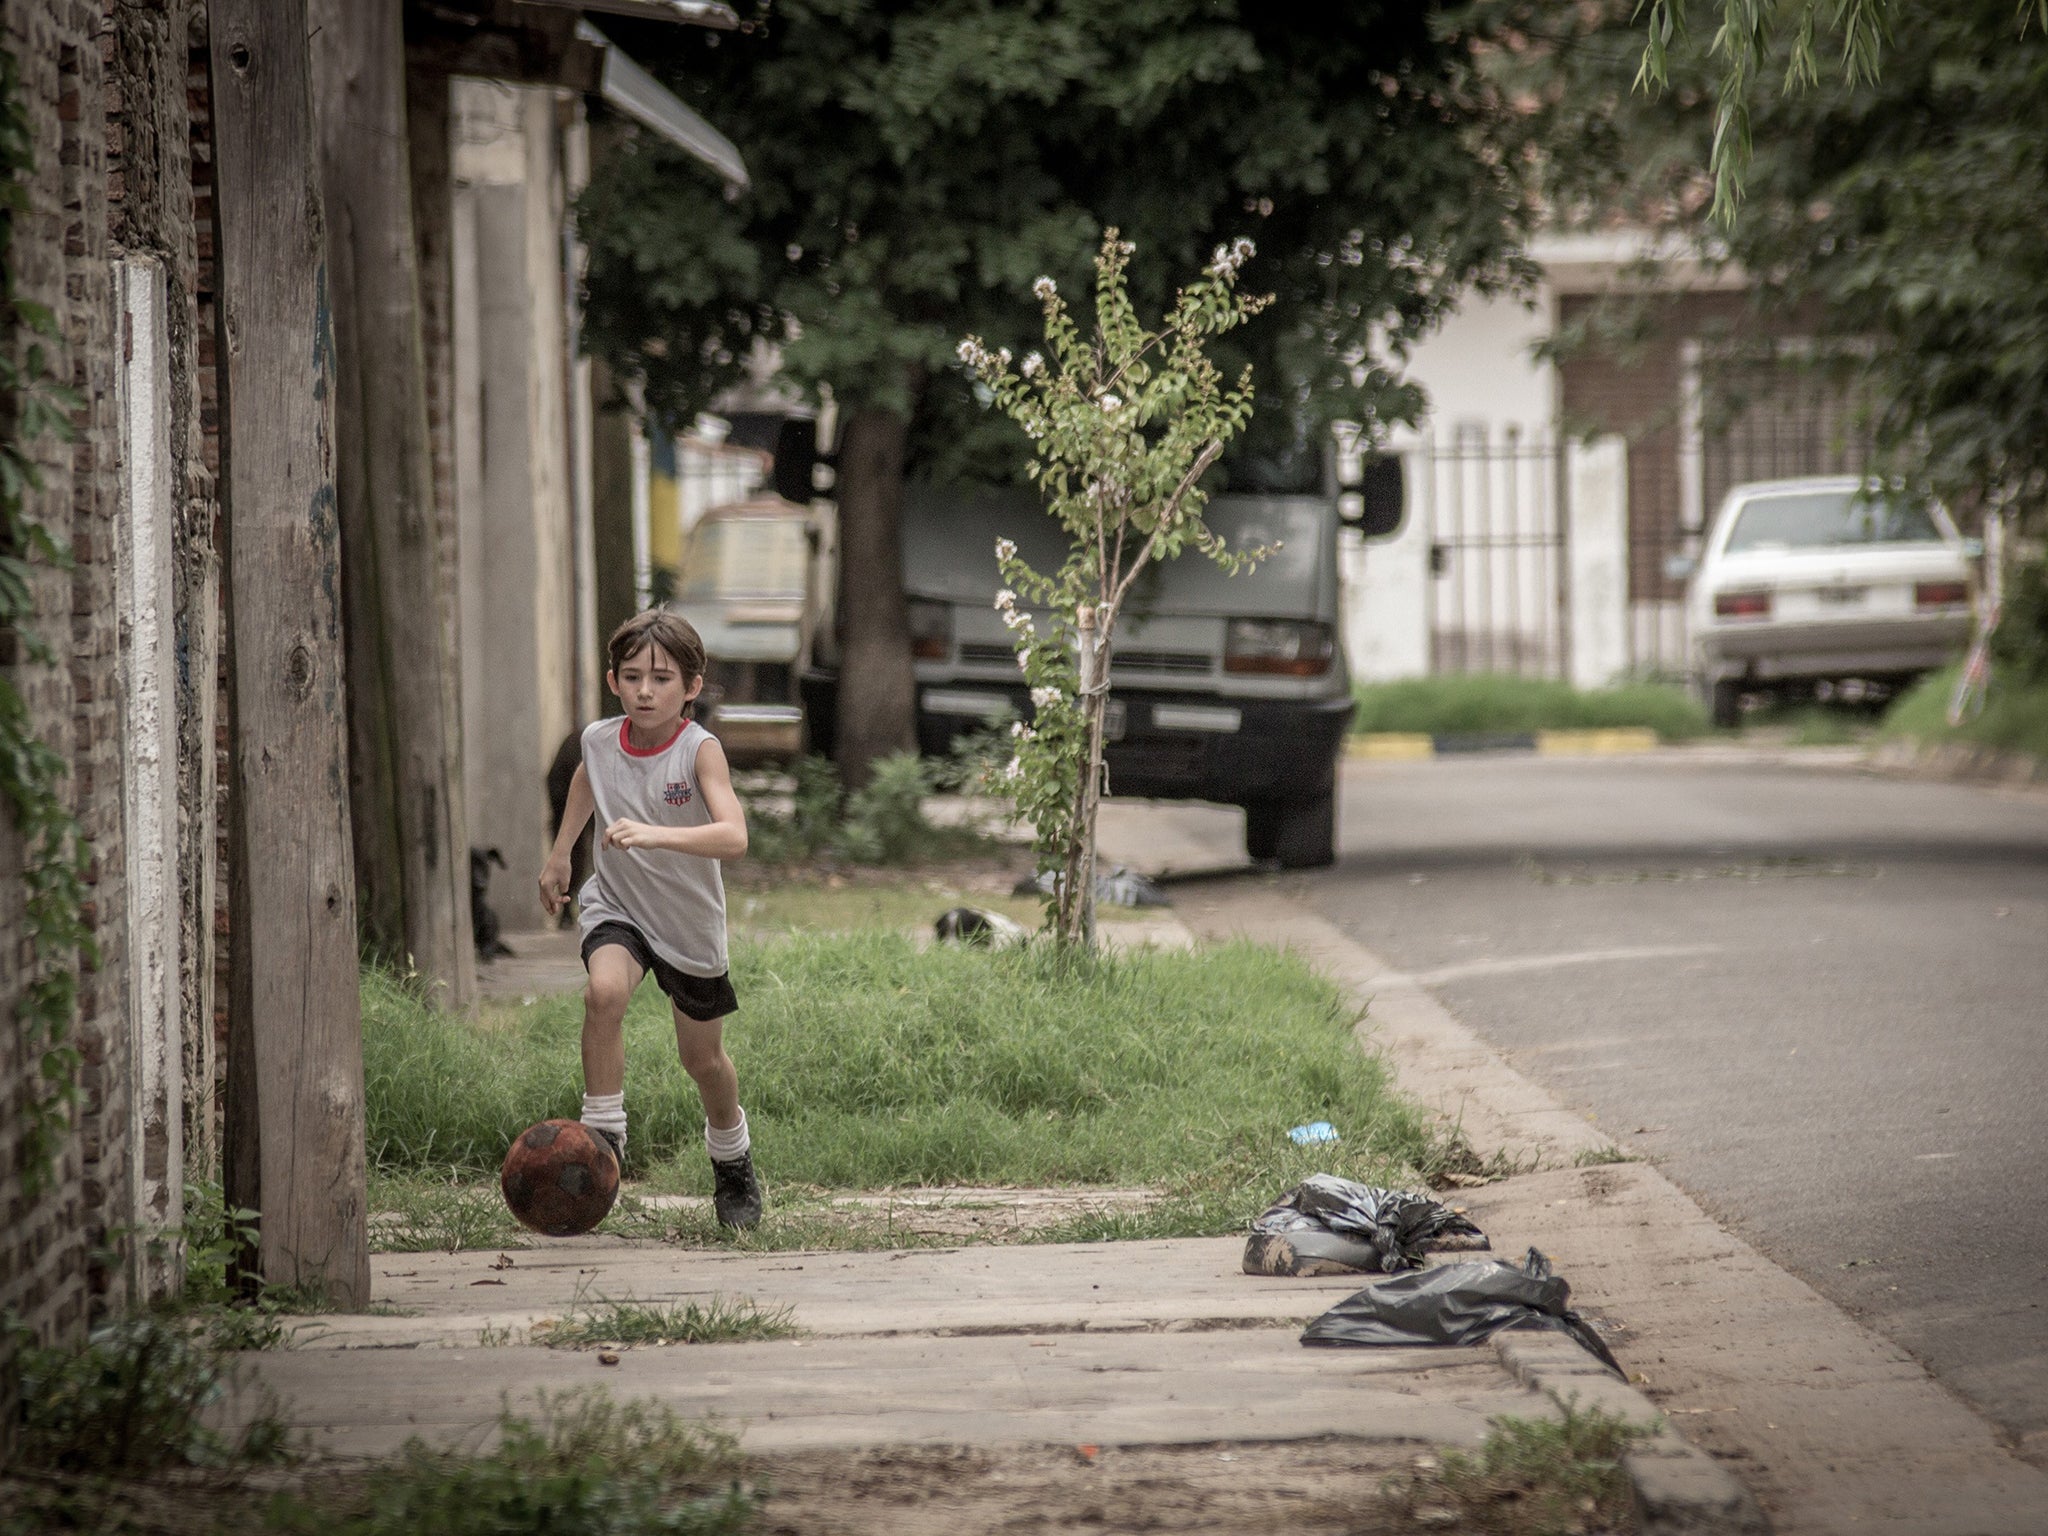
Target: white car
(1824,580)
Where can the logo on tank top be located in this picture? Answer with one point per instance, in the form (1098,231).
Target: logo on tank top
(677,794)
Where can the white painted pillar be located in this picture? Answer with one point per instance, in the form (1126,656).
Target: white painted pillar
(156,1124)
(1596,478)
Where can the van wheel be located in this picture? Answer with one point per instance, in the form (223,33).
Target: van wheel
(1261,830)
(1296,834)
(1724,702)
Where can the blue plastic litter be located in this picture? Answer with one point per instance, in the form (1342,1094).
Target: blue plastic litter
(1314,1132)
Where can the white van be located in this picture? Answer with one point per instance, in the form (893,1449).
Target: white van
(1224,688)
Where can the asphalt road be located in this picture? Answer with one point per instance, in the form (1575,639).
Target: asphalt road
(1817,998)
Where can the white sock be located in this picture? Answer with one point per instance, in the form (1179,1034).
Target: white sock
(606,1112)
(727,1144)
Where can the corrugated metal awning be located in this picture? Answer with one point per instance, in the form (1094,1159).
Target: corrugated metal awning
(629,89)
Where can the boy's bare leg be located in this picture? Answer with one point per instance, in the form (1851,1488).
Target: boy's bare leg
(613,976)
(701,1045)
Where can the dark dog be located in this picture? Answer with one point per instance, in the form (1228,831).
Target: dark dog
(562,773)
(483,922)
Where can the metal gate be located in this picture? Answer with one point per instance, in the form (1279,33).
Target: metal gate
(1496,599)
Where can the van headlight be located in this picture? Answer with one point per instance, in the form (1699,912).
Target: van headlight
(1278,647)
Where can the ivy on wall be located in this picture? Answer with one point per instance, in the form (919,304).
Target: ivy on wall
(54,859)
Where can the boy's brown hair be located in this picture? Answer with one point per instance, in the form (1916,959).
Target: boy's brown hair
(671,632)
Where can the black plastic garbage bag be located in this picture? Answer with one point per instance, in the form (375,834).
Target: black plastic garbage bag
(1326,1226)
(1457,1304)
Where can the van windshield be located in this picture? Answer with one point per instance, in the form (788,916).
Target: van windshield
(758,557)
(1829,519)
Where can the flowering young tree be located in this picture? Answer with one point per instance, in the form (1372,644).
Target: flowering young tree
(1124,422)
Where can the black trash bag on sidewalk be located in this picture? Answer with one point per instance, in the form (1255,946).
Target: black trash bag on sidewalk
(1331,1226)
(1457,1304)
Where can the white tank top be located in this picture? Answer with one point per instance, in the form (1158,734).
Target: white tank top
(676,900)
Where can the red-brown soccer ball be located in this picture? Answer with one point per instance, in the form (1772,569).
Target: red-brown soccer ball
(559,1178)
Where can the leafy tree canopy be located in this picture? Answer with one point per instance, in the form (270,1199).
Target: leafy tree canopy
(919,163)
(1897,212)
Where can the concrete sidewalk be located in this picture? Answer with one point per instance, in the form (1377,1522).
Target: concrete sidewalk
(1153,1343)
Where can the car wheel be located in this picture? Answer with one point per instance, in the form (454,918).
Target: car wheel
(1261,830)
(1724,702)
(1307,834)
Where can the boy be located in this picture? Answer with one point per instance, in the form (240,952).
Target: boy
(662,792)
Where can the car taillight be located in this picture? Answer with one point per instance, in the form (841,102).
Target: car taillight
(931,630)
(1278,647)
(1742,605)
(1940,594)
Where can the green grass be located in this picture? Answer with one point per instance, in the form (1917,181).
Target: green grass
(866,1064)
(1495,703)
(625,1321)
(2014,719)
(1533,1477)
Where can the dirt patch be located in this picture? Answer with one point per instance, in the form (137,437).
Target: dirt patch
(1301,1487)
(961,1213)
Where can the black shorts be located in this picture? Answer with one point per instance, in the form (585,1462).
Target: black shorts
(699,997)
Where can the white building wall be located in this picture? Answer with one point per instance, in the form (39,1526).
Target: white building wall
(1485,384)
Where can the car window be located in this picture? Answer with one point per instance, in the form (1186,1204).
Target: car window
(1827,519)
(744,557)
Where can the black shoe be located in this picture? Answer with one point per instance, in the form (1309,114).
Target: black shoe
(736,1192)
(616,1143)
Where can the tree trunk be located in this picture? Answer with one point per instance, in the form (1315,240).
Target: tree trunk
(1075,913)
(411,861)
(877,712)
(294,1128)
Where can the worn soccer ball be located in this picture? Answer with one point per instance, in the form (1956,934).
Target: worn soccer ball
(559,1178)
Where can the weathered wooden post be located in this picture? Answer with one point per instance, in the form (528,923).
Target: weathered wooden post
(295,1065)
(412,861)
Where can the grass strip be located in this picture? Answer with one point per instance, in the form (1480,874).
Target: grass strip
(1529,1477)
(869,1064)
(2014,717)
(1497,703)
(623,1320)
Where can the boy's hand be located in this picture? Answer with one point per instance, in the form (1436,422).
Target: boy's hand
(554,883)
(631,834)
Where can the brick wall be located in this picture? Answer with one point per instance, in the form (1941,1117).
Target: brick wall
(60,258)
(104,85)
(1794,423)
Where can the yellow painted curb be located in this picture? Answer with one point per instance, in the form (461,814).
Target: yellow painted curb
(1627,738)
(1392,747)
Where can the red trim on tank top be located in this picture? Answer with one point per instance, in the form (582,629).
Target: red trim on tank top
(626,739)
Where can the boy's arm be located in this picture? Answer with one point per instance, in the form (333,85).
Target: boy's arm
(724,838)
(576,811)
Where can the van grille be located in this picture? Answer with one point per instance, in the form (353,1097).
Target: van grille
(1158,663)
(1128,663)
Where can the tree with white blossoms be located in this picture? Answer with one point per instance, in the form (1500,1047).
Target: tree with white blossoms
(1123,423)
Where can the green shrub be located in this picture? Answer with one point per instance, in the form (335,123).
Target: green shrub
(130,1402)
(2014,717)
(591,1467)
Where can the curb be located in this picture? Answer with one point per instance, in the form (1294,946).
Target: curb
(1679,1489)
(1959,762)
(1407,746)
